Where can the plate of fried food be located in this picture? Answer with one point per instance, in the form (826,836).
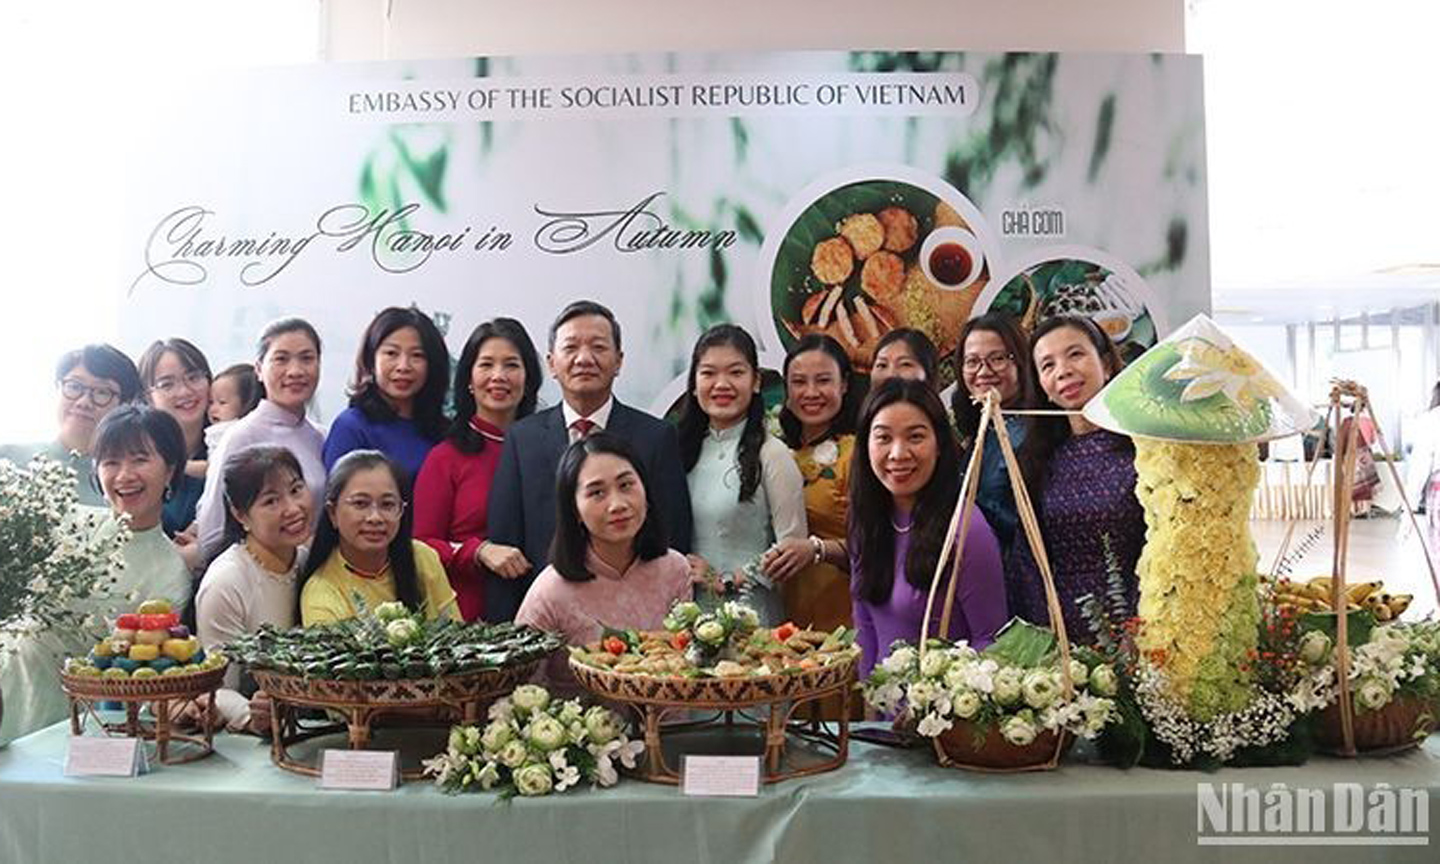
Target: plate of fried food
(872,250)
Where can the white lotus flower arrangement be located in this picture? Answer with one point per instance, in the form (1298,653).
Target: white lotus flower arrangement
(1014,685)
(1397,660)
(535,745)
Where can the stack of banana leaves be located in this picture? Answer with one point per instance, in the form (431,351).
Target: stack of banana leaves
(358,650)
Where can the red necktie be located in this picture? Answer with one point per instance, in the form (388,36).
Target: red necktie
(583,427)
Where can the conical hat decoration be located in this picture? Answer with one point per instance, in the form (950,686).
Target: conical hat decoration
(1198,386)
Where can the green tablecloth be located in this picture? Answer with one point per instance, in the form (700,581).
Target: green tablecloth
(885,805)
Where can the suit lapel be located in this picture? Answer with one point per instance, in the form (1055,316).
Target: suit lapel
(620,420)
(556,436)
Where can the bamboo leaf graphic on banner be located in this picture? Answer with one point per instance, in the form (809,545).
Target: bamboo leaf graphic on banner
(410,162)
(1020,89)
(746,226)
(741,135)
(1104,126)
(429,171)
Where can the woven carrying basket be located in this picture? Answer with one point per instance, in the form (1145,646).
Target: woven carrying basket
(957,748)
(1401,724)
(966,745)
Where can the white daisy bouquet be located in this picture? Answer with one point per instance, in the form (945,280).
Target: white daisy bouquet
(1013,685)
(535,745)
(55,557)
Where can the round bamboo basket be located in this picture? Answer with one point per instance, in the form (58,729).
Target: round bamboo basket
(162,695)
(658,701)
(361,704)
(1401,725)
(983,748)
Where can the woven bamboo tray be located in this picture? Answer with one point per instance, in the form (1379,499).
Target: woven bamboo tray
(1401,725)
(657,700)
(162,695)
(965,745)
(416,701)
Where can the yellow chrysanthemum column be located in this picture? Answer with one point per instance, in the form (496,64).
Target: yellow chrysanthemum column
(1195,404)
(1197,571)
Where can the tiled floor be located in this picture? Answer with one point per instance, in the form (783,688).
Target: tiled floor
(1376,552)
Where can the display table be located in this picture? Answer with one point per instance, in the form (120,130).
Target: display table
(885,805)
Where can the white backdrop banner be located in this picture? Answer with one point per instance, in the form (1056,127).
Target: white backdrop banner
(846,193)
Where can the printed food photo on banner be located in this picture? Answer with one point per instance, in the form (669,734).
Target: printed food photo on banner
(877,254)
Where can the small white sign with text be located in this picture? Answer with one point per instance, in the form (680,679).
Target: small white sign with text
(88,756)
(726,776)
(365,770)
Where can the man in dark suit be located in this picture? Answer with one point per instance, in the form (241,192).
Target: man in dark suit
(584,357)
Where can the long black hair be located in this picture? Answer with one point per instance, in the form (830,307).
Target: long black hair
(844,420)
(694,423)
(461,433)
(137,428)
(572,538)
(365,394)
(965,409)
(872,506)
(1048,433)
(327,536)
(246,472)
(921,348)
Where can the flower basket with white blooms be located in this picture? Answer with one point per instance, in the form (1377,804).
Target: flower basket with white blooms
(1001,708)
(56,562)
(535,745)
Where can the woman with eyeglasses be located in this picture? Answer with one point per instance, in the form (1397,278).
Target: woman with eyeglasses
(363,548)
(176,378)
(91,382)
(992,356)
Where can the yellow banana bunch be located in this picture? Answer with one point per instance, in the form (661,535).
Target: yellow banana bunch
(1315,596)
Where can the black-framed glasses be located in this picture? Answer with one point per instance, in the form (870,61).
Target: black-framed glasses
(192,381)
(73,388)
(993,362)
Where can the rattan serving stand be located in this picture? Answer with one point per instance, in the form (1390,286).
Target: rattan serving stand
(166,695)
(361,704)
(663,705)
